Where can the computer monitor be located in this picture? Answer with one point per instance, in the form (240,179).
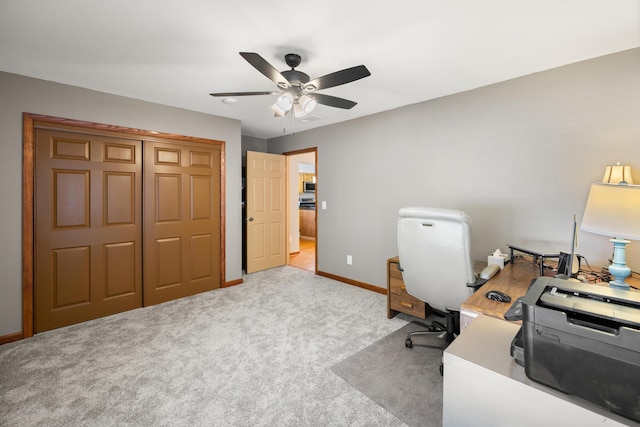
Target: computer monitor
(569,264)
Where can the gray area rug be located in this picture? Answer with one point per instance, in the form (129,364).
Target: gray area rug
(406,382)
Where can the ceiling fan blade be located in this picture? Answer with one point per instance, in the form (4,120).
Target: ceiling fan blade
(244,93)
(333,101)
(260,64)
(338,78)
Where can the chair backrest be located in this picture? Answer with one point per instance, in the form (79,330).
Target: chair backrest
(434,247)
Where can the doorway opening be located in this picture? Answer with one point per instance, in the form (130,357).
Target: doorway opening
(303,229)
(305,258)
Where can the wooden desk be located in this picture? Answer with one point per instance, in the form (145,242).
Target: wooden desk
(514,280)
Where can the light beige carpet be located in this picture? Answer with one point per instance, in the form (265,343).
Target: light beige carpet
(256,354)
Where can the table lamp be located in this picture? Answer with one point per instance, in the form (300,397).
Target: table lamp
(614,210)
(615,174)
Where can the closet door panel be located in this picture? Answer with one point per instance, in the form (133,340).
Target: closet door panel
(182,233)
(120,269)
(88,227)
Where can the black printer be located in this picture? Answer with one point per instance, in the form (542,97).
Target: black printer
(583,340)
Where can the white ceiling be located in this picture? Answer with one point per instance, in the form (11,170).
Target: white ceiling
(177,52)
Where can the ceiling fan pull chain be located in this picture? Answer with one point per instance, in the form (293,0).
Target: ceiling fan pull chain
(293,123)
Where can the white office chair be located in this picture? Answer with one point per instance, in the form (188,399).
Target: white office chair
(434,247)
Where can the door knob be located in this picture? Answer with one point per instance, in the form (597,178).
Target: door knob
(249,219)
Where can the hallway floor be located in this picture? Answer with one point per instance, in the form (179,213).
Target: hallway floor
(306,259)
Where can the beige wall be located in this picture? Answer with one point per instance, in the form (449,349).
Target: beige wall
(518,156)
(22,94)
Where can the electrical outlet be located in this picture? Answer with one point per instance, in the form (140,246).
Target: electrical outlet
(349,260)
(324,204)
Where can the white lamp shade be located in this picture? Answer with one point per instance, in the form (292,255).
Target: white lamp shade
(617,173)
(298,111)
(285,101)
(279,111)
(283,104)
(304,106)
(613,210)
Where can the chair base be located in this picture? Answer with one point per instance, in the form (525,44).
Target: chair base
(446,338)
(448,333)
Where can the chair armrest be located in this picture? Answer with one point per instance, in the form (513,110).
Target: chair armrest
(479,282)
(487,273)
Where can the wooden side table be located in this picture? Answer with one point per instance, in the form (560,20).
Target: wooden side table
(398,300)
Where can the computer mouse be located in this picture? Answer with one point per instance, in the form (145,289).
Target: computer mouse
(498,296)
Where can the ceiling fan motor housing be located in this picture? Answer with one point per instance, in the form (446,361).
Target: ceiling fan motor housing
(296,77)
(292,59)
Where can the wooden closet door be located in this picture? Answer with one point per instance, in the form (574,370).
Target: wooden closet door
(88,227)
(182,237)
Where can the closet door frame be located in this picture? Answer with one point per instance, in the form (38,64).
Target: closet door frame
(30,123)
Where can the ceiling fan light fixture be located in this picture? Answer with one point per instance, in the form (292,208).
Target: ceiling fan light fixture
(279,111)
(306,104)
(295,86)
(298,111)
(285,101)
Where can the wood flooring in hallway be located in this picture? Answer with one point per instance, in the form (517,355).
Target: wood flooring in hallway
(306,259)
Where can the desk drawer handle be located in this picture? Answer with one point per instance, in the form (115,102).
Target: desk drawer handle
(406,304)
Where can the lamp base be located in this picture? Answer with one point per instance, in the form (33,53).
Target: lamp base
(619,269)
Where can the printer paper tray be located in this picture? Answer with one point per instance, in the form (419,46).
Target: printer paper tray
(596,306)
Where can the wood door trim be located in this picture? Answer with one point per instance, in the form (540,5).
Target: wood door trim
(104,129)
(301,151)
(30,122)
(315,151)
(28,179)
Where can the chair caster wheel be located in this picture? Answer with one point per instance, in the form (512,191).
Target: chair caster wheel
(408,343)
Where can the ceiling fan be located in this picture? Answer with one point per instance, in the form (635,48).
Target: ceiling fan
(297,91)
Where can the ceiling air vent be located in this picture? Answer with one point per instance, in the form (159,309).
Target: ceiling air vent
(310,119)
